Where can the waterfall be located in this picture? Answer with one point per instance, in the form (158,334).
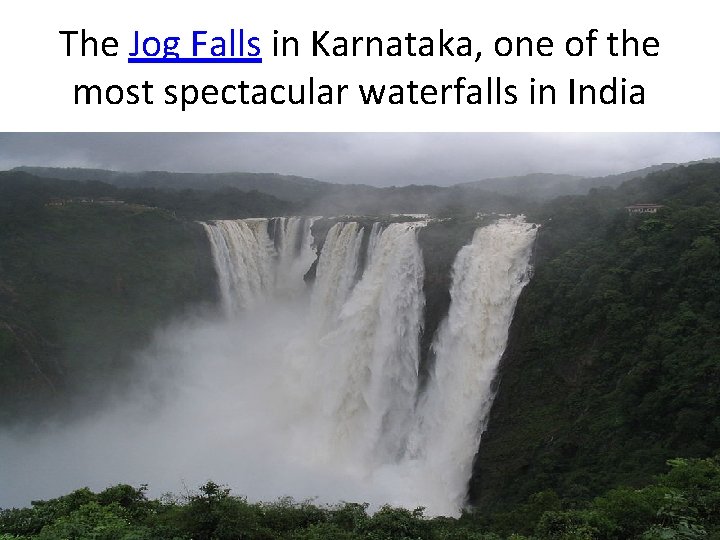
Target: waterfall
(258,258)
(347,389)
(371,352)
(488,276)
(243,260)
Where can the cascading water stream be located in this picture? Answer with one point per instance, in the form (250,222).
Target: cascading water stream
(371,353)
(242,254)
(258,258)
(488,276)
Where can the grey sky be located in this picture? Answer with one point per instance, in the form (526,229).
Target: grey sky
(371,158)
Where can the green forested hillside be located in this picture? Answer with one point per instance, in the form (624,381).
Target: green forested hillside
(19,189)
(82,287)
(286,187)
(613,364)
(238,195)
(543,186)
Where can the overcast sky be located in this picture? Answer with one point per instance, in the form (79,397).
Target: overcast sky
(371,158)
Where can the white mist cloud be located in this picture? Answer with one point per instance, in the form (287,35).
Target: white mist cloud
(213,399)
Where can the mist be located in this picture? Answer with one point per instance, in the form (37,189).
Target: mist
(207,404)
(209,401)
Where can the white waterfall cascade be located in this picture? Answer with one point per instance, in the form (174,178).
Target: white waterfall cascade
(488,276)
(347,390)
(252,266)
(369,359)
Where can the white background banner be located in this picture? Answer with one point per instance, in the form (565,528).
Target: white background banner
(679,81)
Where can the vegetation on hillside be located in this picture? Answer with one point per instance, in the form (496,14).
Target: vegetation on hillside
(21,193)
(288,188)
(83,287)
(682,504)
(613,364)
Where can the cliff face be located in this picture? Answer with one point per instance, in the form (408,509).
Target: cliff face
(82,288)
(440,243)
